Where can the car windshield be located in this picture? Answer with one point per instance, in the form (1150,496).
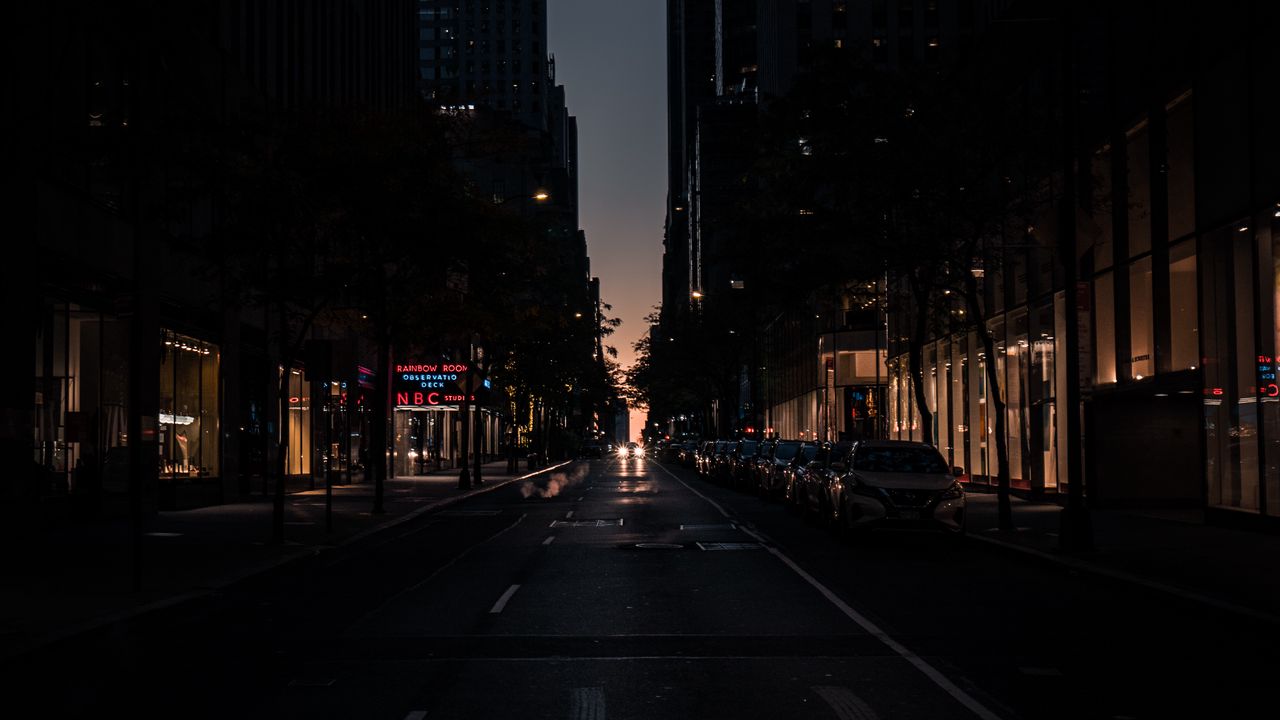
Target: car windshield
(899,460)
(786,451)
(748,448)
(808,453)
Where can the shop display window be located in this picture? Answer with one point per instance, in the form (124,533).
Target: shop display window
(188,421)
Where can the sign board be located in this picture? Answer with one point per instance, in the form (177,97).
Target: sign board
(418,384)
(1267,387)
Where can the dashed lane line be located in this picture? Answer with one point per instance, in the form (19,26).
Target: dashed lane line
(502,601)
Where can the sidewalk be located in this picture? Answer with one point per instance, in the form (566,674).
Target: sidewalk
(73,579)
(1232,570)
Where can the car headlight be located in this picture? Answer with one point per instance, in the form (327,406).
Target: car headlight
(955,491)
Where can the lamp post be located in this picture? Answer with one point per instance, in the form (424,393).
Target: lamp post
(477,350)
(464,476)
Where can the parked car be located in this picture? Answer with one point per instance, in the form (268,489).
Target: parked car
(720,461)
(687,452)
(740,462)
(763,454)
(896,483)
(793,474)
(830,464)
(770,468)
(594,449)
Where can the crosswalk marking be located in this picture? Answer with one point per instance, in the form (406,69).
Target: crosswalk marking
(587,704)
(846,705)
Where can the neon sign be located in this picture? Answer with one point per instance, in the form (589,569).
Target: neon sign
(1267,386)
(417,384)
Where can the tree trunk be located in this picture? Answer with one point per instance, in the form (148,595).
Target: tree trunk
(920,297)
(996,400)
(377,464)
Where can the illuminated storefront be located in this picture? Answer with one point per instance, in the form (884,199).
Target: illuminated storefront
(427,430)
(188,420)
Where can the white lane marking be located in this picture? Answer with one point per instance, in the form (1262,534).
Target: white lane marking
(549,540)
(846,705)
(579,499)
(568,515)
(587,704)
(416,715)
(920,664)
(502,601)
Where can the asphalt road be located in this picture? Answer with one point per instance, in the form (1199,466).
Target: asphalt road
(629,589)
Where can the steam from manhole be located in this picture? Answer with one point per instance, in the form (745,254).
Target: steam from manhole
(659,546)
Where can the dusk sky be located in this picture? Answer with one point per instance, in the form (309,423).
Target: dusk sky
(611,58)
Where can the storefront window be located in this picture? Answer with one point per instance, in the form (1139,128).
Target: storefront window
(1105,328)
(298,461)
(1184,338)
(189,428)
(1243,491)
(81,388)
(1141,362)
(942,421)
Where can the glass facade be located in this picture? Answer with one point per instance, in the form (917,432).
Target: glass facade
(189,431)
(80,415)
(298,460)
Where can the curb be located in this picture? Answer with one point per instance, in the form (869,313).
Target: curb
(11,652)
(1124,577)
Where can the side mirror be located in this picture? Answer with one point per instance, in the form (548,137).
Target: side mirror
(957,471)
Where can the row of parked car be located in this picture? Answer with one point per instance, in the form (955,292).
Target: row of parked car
(847,486)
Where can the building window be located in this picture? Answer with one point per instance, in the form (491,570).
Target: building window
(1105,328)
(1180,163)
(1103,253)
(1138,155)
(1141,362)
(188,421)
(1184,338)
(1242,490)
(298,460)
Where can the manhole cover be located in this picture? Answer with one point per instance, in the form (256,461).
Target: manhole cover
(659,546)
(730,546)
(587,523)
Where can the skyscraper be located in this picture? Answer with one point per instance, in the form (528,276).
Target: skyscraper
(490,53)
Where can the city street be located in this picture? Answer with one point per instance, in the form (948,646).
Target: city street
(623,588)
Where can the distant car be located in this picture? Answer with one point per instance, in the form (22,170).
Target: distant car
(896,483)
(594,449)
(631,450)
